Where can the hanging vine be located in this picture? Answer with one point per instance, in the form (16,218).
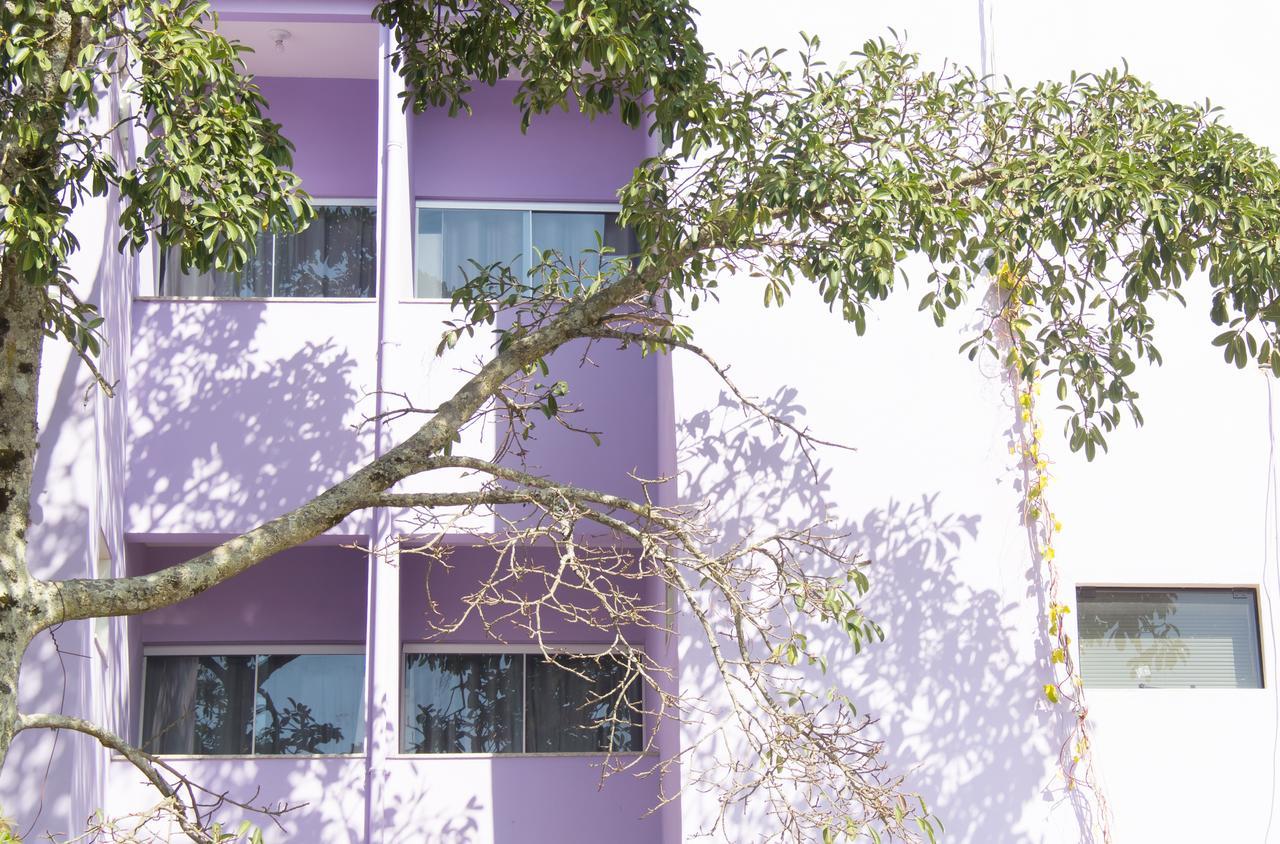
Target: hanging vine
(1065,687)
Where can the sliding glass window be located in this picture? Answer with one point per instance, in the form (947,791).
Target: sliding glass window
(335,256)
(1161,638)
(266,704)
(519,703)
(456,244)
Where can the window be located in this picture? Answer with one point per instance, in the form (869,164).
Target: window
(519,703)
(1152,638)
(242,704)
(454,244)
(334,256)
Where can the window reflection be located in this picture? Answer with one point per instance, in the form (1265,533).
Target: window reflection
(199,705)
(310,704)
(508,703)
(462,703)
(1154,638)
(334,256)
(279,704)
(580,705)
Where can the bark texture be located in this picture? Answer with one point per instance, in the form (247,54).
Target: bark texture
(23,605)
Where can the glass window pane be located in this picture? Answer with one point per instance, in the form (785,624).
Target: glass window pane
(334,256)
(574,705)
(253,281)
(168,705)
(568,241)
(618,238)
(575,239)
(462,703)
(198,705)
(1169,638)
(429,251)
(312,703)
(452,241)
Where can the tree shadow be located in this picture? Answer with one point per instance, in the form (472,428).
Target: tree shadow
(231,422)
(954,688)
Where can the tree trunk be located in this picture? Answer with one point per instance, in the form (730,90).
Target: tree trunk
(23,604)
(26,603)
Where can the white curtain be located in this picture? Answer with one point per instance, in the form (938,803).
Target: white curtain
(566,240)
(312,703)
(451,239)
(168,706)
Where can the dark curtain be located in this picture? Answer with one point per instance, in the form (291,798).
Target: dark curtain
(334,256)
(573,706)
(198,704)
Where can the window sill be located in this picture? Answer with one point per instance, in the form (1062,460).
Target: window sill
(196,757)
(575,755)
(337,300)
(1106,690)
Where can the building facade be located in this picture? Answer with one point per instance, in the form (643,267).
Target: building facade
(241,397)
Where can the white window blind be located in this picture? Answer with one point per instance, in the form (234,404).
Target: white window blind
(1169,638)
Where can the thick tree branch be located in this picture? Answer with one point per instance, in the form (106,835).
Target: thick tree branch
(83,598)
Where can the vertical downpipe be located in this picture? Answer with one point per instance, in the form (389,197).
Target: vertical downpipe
(382,632)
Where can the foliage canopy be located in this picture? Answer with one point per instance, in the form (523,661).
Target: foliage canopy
(1089,198)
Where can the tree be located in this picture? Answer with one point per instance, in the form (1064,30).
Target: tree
(1086,198)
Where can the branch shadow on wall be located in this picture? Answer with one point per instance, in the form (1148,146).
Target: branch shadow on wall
(226,434)
(954,693)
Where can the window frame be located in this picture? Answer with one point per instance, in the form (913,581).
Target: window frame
(243,649)
(1260,606)
(559,649)
(316,201)
(468,205)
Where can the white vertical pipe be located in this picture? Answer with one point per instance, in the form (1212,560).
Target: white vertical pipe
(395,260)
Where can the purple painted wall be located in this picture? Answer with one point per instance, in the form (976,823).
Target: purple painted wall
(241,410)
(232,412)
(422,614)
(563,157)
(313,594)
(334,127)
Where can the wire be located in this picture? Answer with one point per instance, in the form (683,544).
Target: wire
(1271,538)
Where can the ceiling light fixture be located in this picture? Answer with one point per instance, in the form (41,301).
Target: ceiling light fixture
(279,36)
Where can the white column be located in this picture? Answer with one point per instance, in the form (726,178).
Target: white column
(395,262)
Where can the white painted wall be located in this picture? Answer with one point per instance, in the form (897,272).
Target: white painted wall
(930,492)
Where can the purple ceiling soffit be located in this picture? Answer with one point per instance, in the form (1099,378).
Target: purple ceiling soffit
(320,11)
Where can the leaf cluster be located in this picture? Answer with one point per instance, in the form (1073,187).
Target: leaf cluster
(147,99)
(1095,194)
(628,57)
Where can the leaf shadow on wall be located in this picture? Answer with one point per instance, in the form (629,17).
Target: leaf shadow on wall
(952,687)
(231,426)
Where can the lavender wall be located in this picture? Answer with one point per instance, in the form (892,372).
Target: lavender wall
(241,410)
(334,127)
(422,614)
(312,594)
(932,495)
(514,800)
(483,156)
(327,795)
